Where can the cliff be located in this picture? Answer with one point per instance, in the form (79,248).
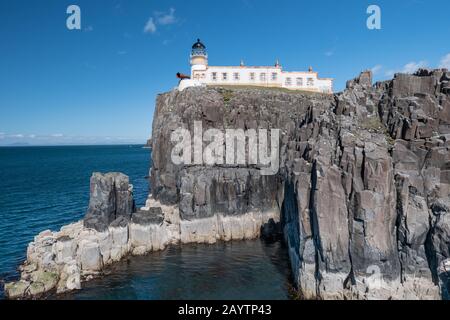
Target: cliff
(362,191)
(357,182)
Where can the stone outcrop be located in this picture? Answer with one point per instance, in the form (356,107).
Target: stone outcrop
(111,199)
(111,230)
(361,195)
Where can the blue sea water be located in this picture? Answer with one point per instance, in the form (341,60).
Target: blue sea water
(47,187)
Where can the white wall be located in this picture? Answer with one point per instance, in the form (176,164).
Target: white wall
(325,85)
(244,77)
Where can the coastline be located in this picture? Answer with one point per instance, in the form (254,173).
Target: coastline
(73,145)
(40,276)
(360,219)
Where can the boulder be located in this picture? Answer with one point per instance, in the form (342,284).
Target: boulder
(42,281)
(70,278)
(16,290)
(90,257)
(65,248)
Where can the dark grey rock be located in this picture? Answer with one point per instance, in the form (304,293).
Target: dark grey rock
(111,196)
(64,239)
(92,222)
(120,222)
(152,216)
(364,80)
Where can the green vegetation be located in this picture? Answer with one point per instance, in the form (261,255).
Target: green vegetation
(276,89)
(374,124)
(227,95)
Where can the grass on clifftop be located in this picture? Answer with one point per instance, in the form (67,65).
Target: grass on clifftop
(227,96)
(248,87)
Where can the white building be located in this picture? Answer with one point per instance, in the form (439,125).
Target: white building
(265,76)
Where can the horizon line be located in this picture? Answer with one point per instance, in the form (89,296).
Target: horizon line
(72,145)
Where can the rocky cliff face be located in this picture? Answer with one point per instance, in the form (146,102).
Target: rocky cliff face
(363,187)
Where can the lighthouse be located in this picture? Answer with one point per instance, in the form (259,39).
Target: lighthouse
(202,74)
(199,60)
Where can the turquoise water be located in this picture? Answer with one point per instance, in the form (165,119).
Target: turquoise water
(47,187)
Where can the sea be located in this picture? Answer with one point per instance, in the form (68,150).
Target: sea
(47,187)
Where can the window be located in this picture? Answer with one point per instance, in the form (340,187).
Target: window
(252,76)
(262,77)
(214,76)
(236,76)
(299,82)
(224,76)
(310,82)
(274,76)
(288,81)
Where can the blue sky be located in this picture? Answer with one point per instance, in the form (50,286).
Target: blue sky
(99,84)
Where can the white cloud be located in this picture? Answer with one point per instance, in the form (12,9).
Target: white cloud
(410,67)
(160,18)
(376,69)
(60,139)
(445,61)
(329,53)
(413,66)
(165,18)
(150,27)
(121,53)
(89,29)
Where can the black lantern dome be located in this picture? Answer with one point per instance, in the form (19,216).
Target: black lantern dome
(198,49)
(198,45)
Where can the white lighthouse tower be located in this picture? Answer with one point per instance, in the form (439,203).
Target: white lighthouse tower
(199,68)
(199,61)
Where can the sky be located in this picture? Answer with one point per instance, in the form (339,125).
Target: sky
(98,85)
